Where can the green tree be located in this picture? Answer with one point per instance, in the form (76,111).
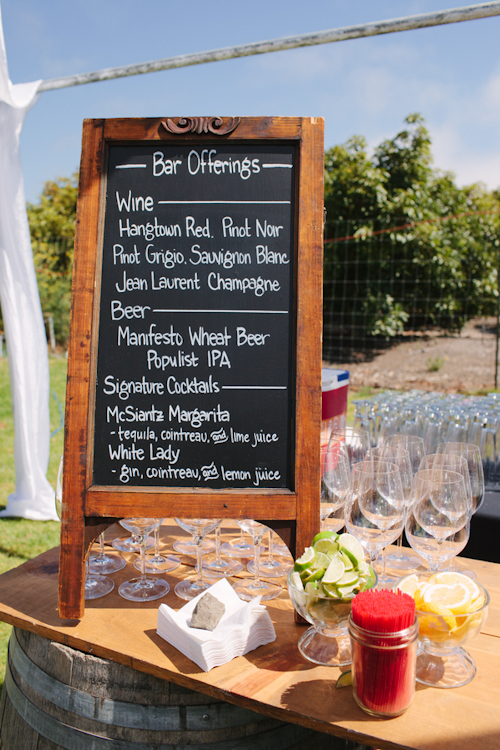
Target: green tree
(52,227)
(439,268)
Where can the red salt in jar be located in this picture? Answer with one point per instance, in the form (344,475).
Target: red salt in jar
(383,630)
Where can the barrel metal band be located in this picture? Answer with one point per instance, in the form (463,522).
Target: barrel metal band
(122,714)
(70,738)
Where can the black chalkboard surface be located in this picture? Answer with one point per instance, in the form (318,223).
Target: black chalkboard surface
(195,383)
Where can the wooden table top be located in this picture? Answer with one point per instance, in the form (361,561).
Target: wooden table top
(274,679)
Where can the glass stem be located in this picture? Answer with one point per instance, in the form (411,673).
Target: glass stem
(270,550)
(142,552)
(217,546)
(256,557)
(199,559)
(101,546)
(157,541)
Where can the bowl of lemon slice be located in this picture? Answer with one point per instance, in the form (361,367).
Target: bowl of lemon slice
(451,609)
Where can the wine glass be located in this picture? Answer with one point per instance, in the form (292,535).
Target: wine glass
(218,566)
(374,510)
(199,528)
(355,442)
(395,452)
(190,547)
(157,563)
(248,590)
(335,484)
(472,455)
(142,589)
(270,566)
(105,563)
(437,521)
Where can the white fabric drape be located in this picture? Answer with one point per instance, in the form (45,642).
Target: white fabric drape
(24,328)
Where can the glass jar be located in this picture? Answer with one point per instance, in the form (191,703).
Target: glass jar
(383,669)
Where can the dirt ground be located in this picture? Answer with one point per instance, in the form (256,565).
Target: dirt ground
(463,363)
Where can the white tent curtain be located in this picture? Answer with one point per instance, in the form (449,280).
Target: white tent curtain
(24,328)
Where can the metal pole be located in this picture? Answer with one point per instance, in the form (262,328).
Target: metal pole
(406,23)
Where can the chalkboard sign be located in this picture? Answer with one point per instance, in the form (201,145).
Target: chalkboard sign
(195,344)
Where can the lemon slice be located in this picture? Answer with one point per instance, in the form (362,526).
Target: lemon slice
(344,680)
(408,584)
(437,609)
(452,578)
(456,598)
(335,570)
(306,560)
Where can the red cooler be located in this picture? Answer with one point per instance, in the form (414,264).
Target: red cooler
(334,385)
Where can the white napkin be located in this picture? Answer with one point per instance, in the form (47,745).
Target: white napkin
(243,627)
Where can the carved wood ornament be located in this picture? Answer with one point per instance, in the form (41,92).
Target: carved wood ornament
(200,125)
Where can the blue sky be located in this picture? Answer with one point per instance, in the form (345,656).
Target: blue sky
(450,74)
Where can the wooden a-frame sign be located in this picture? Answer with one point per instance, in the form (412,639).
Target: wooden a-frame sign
(194,365)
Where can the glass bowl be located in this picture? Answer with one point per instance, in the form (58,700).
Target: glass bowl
(327,641)
(442,661)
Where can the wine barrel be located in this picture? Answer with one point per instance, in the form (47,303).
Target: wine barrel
(56,697)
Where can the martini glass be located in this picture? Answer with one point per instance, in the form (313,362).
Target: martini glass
(143,589)
(157,563)
(96,585)
(104,563)
(238,547)
(248,590)
(271,567)
(131,543)
(199,528)
(216,566)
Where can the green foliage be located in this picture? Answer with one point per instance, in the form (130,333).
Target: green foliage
(52,226)
(439,268)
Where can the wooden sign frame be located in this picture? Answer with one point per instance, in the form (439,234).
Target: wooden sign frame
(88,508)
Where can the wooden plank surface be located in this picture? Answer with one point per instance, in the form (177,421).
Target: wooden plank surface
(273,679)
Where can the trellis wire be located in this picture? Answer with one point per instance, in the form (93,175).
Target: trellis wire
(372,281)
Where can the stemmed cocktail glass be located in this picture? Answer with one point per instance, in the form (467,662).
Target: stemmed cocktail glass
(199,528)
(248,590)
(143,589)
(158,563)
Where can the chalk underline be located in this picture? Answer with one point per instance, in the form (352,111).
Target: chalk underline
(131,166)
(265,312)
(254,387)
(224,203)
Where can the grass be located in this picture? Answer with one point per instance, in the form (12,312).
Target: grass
(20,540)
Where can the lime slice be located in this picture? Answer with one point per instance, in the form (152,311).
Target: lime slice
(352,548)
(348,565)
(348,592)
(331,590)
(296,580)
(322,561)
(350,576)
(312,588)
(344,680)
(313,575)
(334,571)
(325,535)
(306,560)
(326,546)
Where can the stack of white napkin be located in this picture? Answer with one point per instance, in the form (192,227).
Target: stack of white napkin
(243,627)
